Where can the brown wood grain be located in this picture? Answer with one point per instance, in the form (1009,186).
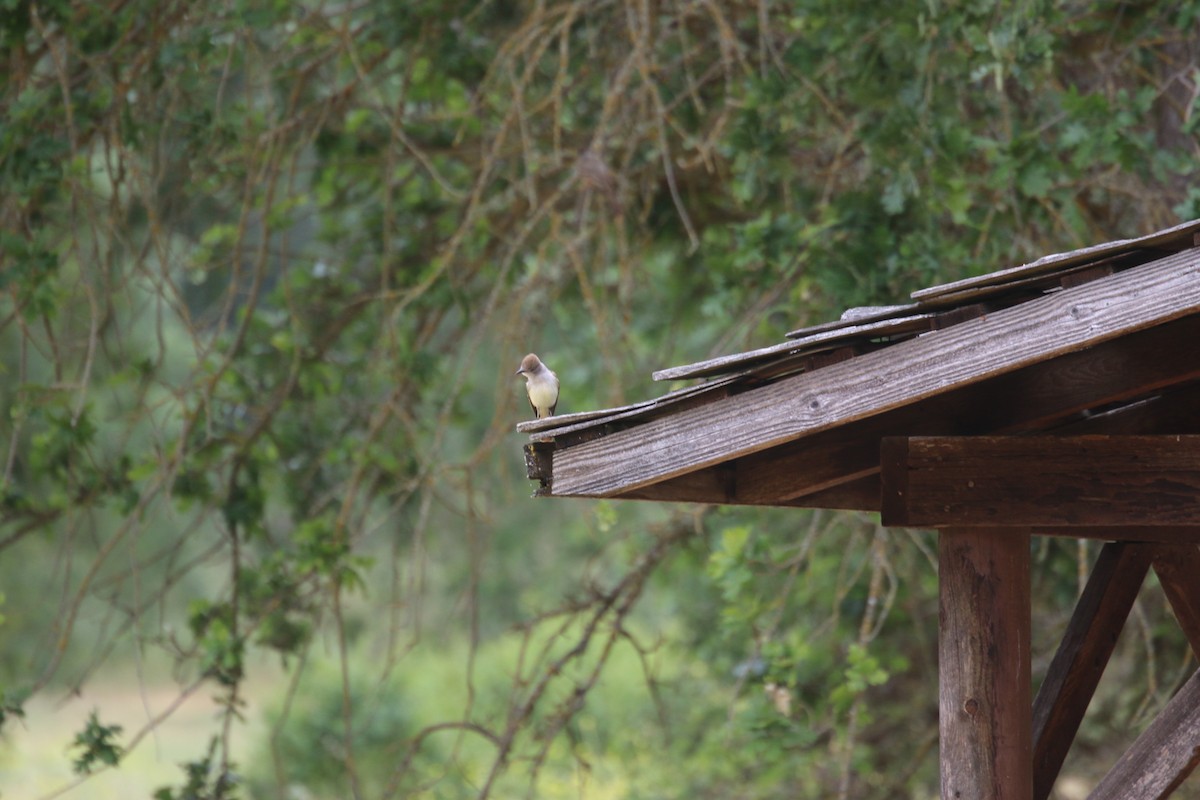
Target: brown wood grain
(1162,758)
(1042,480)
(877,382)
(537,460)
(984,717)
(712,486)
(1082,655)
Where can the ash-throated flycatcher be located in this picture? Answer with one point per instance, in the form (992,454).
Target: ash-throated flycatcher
(541,385)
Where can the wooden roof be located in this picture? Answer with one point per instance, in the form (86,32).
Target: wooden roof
(1098,340)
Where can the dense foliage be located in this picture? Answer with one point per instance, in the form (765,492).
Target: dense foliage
(266,269)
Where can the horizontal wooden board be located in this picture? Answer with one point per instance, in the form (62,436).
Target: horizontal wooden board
(874,383)
(1089,481)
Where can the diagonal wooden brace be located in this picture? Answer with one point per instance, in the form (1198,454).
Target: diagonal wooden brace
(1082,655)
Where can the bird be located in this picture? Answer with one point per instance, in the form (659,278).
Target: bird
(541,384)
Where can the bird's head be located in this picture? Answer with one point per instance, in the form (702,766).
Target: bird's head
(529,363)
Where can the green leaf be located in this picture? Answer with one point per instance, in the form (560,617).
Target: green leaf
(1035,181)
(98,744)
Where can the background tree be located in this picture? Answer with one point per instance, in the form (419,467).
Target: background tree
(267,268)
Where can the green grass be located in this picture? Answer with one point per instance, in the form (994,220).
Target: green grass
(35,753)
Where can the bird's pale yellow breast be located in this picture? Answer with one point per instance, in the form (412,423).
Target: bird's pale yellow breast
(542,393)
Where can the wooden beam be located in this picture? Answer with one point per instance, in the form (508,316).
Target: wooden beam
(983,664)
(1041,480)
(1178,570)
(1082,656)
(1163,756)
(877,382)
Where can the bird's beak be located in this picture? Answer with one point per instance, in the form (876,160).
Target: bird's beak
(518,372)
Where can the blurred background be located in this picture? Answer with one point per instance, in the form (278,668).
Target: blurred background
(267,269)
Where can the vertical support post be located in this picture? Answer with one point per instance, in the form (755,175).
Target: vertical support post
(985,702)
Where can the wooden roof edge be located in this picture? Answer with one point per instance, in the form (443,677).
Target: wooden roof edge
(855,316)
(1083,255)
(722,364)
(857,322)
(865,320)
(548,428)
(810,344)
(567,421)
(1055,261)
